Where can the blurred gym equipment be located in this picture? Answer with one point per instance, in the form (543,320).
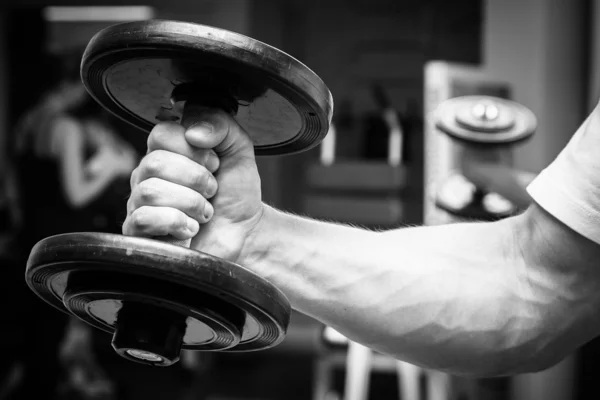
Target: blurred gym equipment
(451,146)
(371,193)
(353,190)
(487,128)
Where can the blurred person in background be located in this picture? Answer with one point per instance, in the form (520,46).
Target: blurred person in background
(73,172)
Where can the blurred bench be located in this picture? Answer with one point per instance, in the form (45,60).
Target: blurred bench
(365,193)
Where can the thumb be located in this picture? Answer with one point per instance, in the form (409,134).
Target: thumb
(210,128)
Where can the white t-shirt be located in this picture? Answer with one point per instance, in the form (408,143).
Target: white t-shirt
(569,188)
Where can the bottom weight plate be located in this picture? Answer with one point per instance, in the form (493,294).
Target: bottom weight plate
(92,275)
(462,199)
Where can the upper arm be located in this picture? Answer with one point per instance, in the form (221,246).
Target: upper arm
(562,275)
(559,238)
(556,245)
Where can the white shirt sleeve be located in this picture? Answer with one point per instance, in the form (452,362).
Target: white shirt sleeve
(569,188)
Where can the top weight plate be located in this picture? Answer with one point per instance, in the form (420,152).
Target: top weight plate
(133,68)
(485,120)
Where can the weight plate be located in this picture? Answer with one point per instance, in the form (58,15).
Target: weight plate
(461,198)
(485,120)
(141,70)
(91,275)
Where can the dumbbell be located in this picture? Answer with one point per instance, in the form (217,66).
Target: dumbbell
(156,296)
(488,128)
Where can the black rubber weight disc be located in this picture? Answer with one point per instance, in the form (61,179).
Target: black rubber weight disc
(513,122)
(90,275)
(133,68)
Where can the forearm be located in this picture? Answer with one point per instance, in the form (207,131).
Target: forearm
(460,298)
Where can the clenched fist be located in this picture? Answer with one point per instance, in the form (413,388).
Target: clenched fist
(200,183)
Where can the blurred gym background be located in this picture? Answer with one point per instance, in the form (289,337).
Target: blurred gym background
(541,53)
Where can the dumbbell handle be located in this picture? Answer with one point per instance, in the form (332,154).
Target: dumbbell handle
(191,114)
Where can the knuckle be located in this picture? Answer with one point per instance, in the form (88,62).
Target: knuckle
(161,133)
(139,219)
(130,205)
(153,164)
(180,223)
(153,137)
(146,191)
(143,222)
(133,178)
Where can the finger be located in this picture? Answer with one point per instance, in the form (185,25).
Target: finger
(149,221)
(214,128)
(170,136)
(156,192)
(177,169)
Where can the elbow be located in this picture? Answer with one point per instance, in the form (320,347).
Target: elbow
(482,358)
(515,349)
(520,351)
(539,365)
(524,365)
(504,365)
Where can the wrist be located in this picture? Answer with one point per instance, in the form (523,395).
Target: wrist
(258,241)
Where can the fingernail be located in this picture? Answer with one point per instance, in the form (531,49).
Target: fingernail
(193,226)
(211,186)
(208,210)
(212,162)
(200,129)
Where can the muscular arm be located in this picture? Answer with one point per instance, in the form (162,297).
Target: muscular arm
(481,299)
(475,298)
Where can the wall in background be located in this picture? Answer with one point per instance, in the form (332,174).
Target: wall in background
(355,43)
(538,47)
